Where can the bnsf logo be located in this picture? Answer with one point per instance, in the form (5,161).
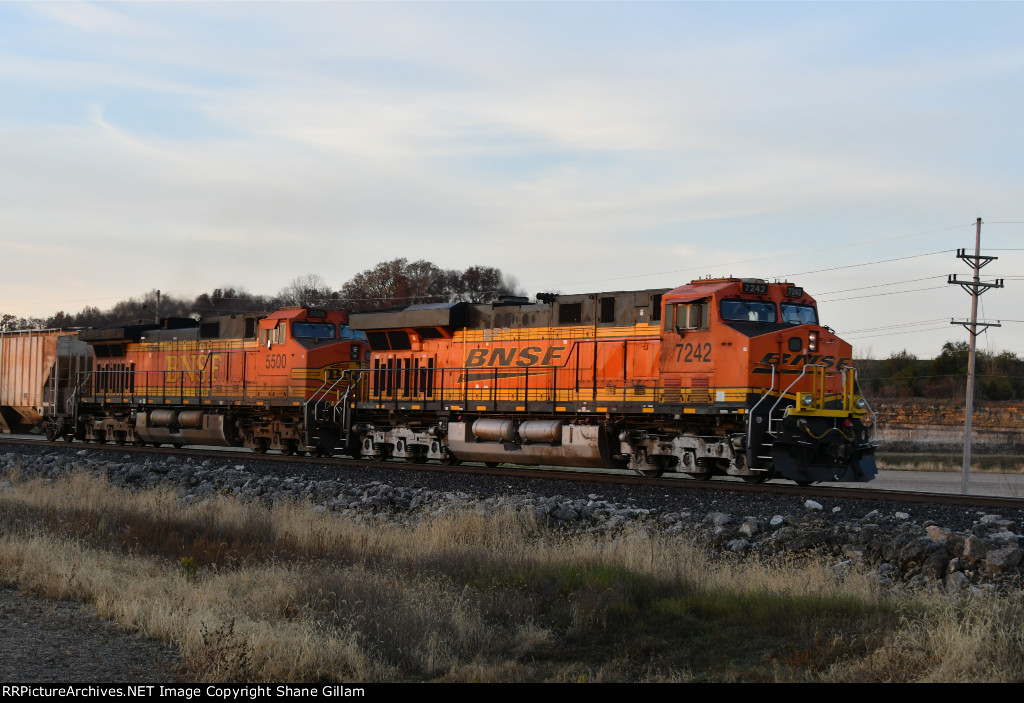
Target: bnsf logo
(513,356)
(191,367)
(801,359)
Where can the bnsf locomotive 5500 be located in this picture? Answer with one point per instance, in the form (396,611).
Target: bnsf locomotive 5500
(718,377)
(224,381)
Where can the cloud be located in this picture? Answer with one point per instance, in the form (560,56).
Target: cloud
(87,17)
(188,144)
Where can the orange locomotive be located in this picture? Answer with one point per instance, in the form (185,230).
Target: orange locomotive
(225,381)
(721,376)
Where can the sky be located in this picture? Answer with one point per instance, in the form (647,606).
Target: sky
(580,147)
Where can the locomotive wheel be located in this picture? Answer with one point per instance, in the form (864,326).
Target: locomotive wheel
(416,454)
(754,479)
(492,464)
(261,445)
(656,468)
(450,460)
(288,447)
(704,471)
(803,483)
(120,438)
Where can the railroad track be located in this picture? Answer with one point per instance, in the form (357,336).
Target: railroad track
(668,481)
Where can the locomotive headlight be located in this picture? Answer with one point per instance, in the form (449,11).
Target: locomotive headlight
(807,399)
(860,403)
(812,341)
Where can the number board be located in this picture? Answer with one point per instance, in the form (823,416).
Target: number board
(756,288)
(794,291)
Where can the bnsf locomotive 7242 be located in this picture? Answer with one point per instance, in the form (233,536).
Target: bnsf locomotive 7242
(718,377)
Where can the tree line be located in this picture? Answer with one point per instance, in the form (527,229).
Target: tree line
(395,283)
(998,376)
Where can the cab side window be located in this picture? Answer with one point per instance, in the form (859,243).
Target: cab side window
(274,336)
(688,316)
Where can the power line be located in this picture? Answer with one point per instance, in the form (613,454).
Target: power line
(878,295)
(866,263)
(900,326)
(890,334)
(857,243)
(878,285)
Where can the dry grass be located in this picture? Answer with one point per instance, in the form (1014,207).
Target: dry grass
(288,594)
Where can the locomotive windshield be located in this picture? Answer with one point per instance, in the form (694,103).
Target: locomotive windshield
(748,310)
(313,330)
(349,333)
(799,314)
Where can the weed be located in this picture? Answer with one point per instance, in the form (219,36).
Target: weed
(224,655)
(187,567)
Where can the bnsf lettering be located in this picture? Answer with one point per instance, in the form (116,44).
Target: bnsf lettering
(802,359)
(191,367)
(509,356)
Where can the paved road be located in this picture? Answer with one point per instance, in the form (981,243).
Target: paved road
(984,484)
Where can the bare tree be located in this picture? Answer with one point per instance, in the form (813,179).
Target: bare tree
(400,283)
(309,290)
(230,300)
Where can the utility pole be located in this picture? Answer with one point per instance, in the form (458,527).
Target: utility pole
(975,287)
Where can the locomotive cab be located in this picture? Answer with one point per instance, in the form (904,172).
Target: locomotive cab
(760,351)
(309,344)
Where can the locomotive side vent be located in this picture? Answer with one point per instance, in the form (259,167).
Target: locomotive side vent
(699,390)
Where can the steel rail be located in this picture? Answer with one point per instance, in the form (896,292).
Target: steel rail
(669,481)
